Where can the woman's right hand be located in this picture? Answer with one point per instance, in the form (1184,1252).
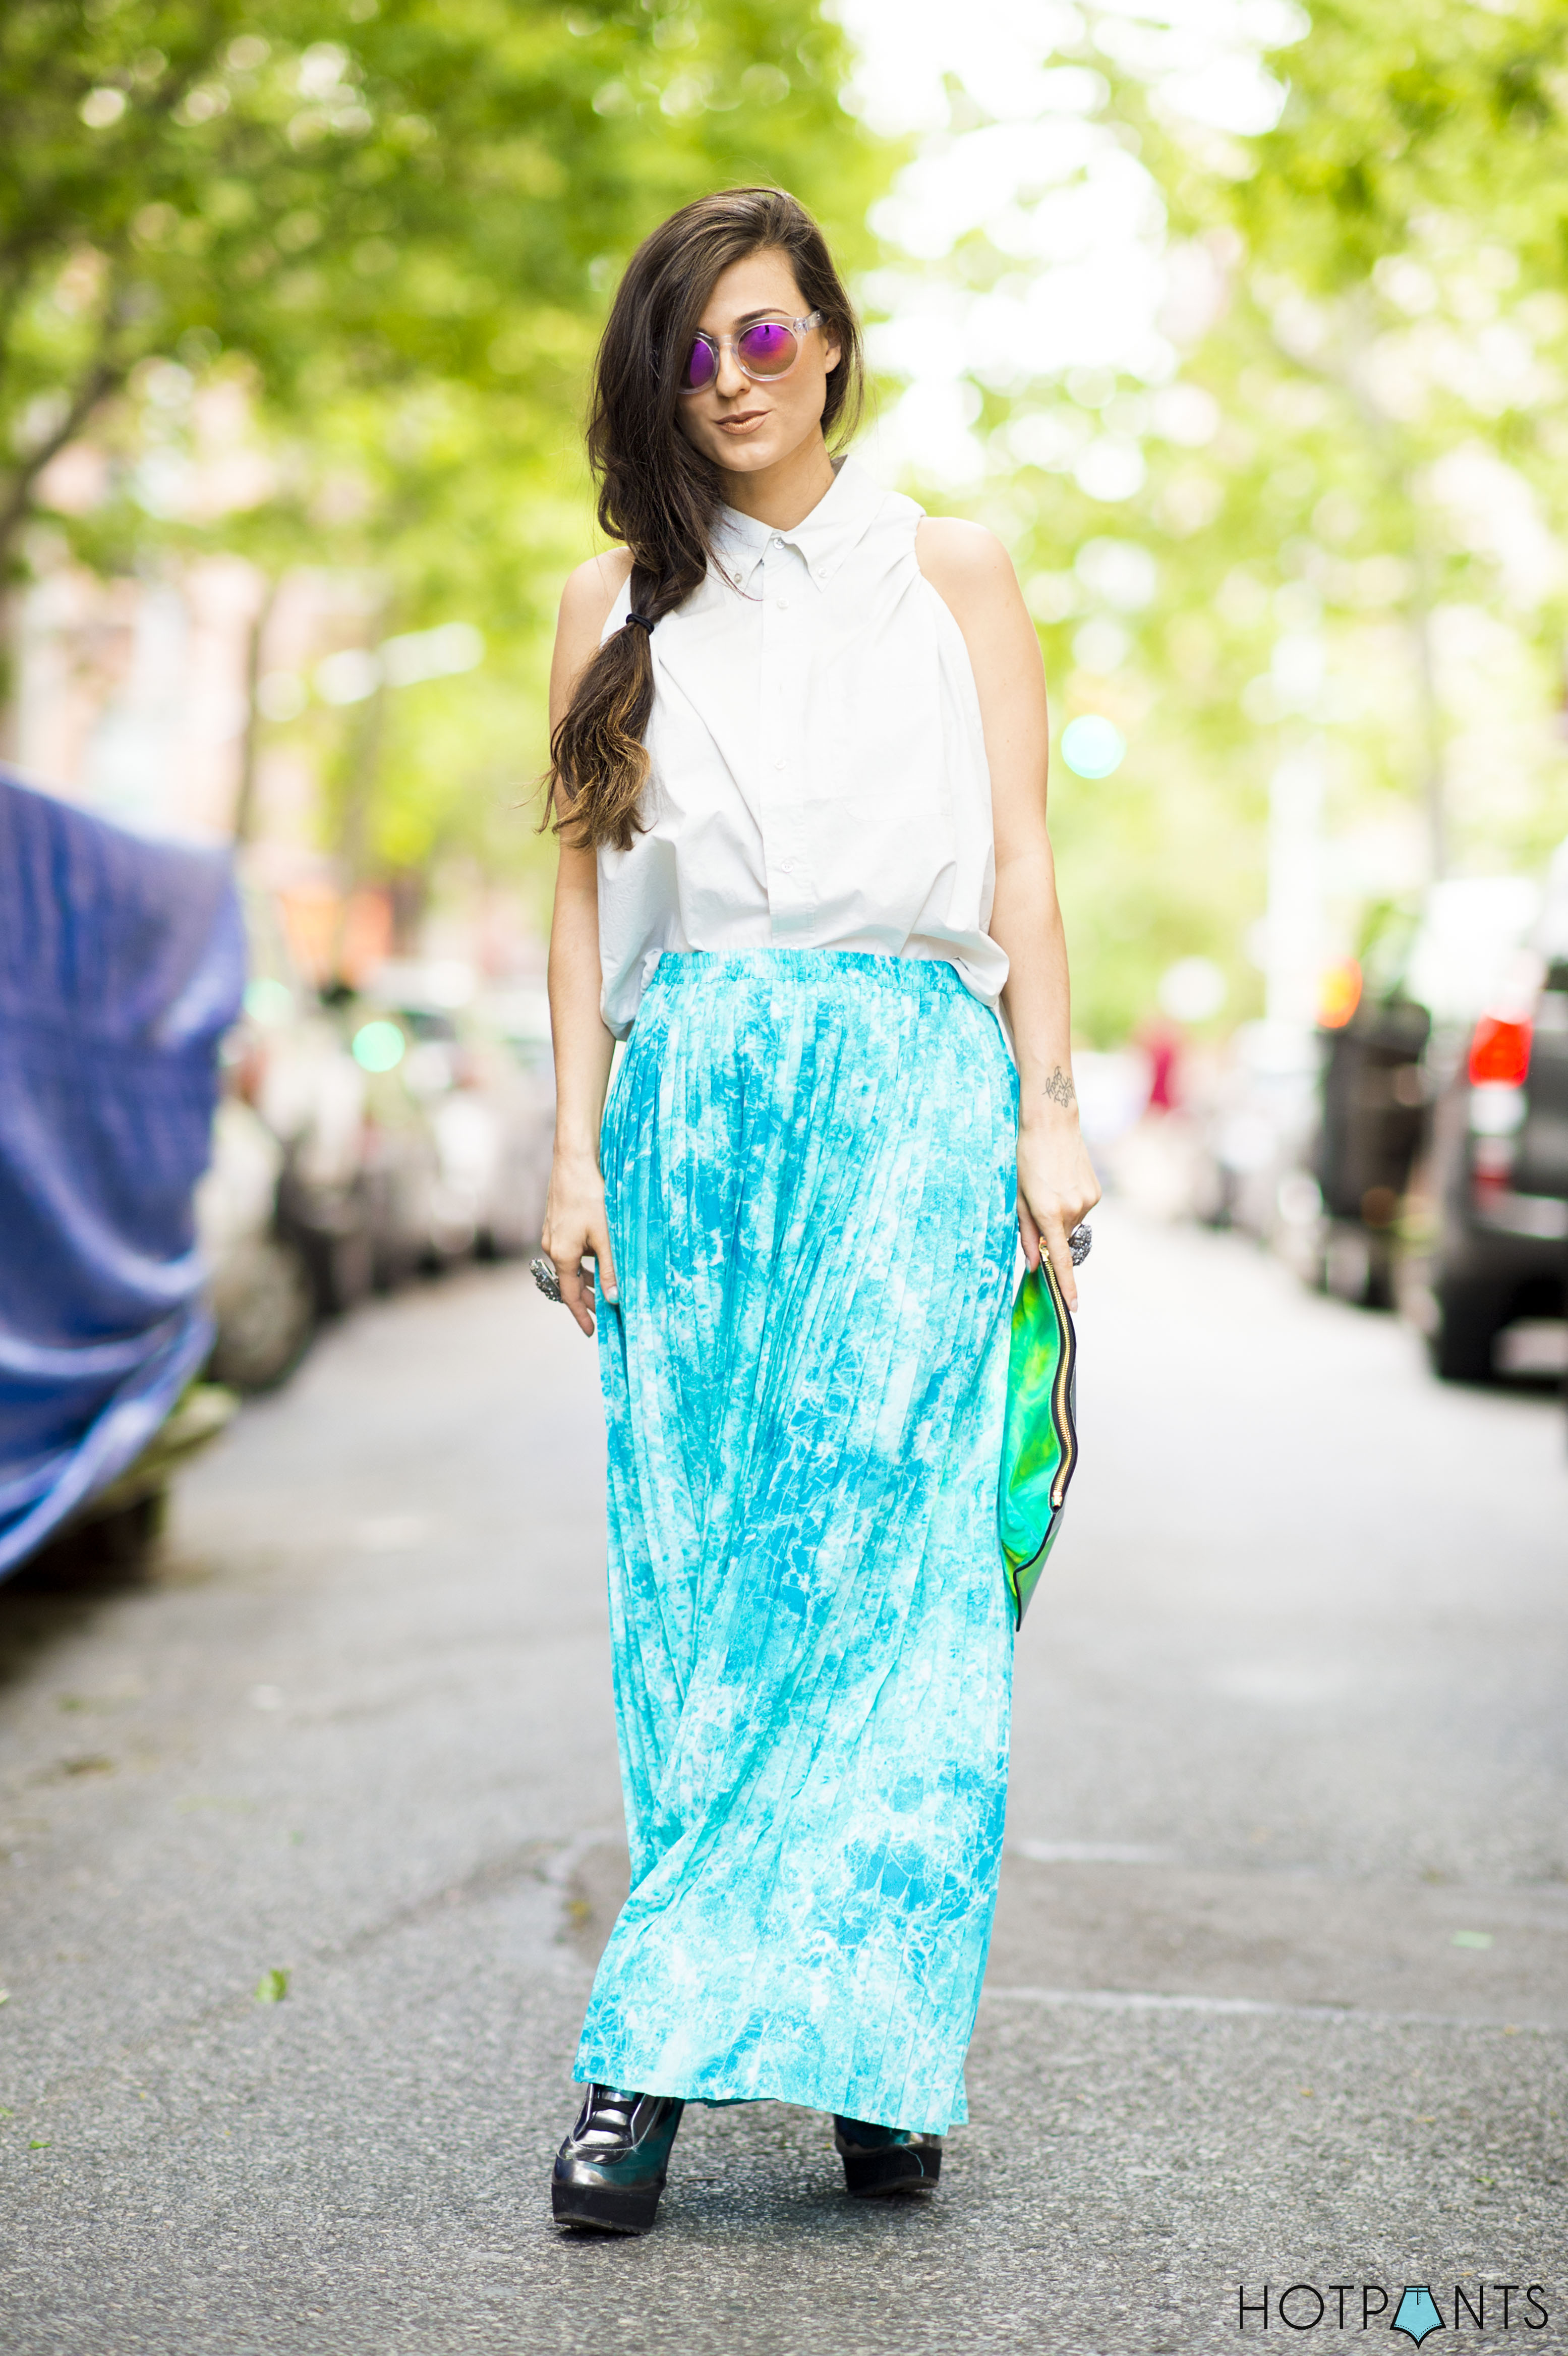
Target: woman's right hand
(575,1229)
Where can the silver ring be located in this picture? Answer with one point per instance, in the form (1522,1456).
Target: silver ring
(545,1277)
(1079,1243)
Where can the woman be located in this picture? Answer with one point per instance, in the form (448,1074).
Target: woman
(799,763)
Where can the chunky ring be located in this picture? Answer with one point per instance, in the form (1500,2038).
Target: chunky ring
(1079,1243)
(545,1277)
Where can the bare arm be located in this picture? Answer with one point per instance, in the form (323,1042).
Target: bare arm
(973,575)
(574,1226)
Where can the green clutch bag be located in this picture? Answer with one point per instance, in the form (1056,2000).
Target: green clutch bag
(1039,1437)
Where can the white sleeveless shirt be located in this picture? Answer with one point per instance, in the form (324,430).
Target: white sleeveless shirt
(819,776)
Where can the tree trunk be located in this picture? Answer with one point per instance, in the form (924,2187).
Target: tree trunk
(250,745)
(362,766)
(1433,779)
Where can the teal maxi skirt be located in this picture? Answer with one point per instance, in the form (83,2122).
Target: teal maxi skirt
(809,1160)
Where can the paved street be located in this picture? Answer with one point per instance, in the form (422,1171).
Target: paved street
(1279,1991)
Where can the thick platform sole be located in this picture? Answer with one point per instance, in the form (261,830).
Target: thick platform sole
(602,2209)
(869,2175)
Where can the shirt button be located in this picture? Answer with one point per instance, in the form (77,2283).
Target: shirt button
(780,765)
(782,605)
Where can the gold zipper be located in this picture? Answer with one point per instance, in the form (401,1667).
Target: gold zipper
(1062,1393)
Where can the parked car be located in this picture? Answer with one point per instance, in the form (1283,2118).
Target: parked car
(1488,1244)
(328,1172)
(284,1213)
(259,1282)
(1496,1232)
(400,1153)
(121,965)
(1372,1123)
(488,1093)
(1377,1211)
(118,1527)
(364,1136)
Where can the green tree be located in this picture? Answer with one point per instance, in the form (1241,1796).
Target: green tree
(1344,515)
(393,224)
(1397,333)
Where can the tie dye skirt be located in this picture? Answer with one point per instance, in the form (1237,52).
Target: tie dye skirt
(809,1159)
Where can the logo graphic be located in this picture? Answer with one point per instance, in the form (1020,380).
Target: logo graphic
(1417,2314)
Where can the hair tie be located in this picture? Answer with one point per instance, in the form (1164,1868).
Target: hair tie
(642,622)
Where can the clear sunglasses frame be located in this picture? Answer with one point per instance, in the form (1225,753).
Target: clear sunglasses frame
(719,345)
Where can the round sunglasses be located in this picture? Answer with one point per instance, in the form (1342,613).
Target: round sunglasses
(767,349)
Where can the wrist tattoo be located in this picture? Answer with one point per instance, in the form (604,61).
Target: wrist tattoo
(1059,1090)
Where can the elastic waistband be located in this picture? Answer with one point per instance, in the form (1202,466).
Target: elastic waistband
(906,977)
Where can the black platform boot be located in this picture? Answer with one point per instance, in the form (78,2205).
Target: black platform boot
(610,2171)
(886,2159)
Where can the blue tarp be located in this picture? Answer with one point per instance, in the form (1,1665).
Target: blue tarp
(122,963)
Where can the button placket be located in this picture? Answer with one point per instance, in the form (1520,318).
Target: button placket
(784,848)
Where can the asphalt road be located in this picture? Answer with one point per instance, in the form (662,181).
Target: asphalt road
(1279,1991)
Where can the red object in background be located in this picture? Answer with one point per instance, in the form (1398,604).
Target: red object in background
(1339,994)
(1499,1054)
(333,939)
(1163,1048)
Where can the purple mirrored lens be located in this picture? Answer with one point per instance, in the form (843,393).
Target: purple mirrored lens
(701,366)
(767,349)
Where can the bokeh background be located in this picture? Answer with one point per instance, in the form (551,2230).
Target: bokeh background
(1245,328)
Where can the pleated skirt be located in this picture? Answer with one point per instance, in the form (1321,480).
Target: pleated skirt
(809,1161)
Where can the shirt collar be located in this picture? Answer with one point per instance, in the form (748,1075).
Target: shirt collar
(824,538)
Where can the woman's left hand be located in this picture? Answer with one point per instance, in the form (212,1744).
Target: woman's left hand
(1057,1188)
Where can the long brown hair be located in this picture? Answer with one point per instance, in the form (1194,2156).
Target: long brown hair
(656,493)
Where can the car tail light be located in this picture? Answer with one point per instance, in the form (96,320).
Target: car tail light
(1499,1054)
(1338,993)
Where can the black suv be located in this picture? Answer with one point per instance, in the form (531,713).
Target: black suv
(1372,1124)
(1497,1185)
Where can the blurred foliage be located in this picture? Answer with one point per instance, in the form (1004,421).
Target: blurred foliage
(1388,365)
(1408,108)
(1340,507)
(387,229)
(321,285)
